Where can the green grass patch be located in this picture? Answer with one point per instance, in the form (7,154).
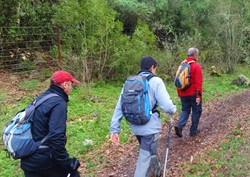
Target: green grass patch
(29,85)
(230,158)
(216,87)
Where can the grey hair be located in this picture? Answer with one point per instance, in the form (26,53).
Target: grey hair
(192,51)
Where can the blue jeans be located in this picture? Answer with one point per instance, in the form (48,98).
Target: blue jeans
(188,103)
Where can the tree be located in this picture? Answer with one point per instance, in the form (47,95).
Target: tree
(230,28)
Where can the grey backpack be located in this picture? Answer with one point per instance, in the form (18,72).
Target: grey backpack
(135,100)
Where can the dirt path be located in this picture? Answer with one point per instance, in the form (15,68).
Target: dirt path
(218,119)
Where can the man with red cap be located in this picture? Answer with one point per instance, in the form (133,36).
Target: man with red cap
(50,120)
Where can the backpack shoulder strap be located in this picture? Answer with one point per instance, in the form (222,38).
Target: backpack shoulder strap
(154,109)
(29,109)
(192,61)
(40,101)
(185,61)
(150,76)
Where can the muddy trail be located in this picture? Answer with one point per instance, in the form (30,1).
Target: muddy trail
(218,119)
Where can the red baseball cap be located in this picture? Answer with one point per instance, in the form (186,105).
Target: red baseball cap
(62,76)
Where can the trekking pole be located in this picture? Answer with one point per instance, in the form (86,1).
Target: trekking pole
(167,146)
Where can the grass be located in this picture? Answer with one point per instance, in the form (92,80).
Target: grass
(227,159)
(90,111)
(29,85)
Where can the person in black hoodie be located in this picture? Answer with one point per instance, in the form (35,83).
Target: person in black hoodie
(50,120)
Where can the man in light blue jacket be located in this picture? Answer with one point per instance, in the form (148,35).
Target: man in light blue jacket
(148,134)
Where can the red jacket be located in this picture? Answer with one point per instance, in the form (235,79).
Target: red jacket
(196,80)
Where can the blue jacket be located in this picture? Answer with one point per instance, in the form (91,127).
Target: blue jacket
(50,119)
(157,95)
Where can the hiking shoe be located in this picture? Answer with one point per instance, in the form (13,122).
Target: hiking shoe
(158,171)
(195,133)
(178,131)
(154,169)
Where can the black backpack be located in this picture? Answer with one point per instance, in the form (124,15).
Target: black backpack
(135,100)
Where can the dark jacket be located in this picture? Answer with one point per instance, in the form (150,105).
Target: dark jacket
(50,119)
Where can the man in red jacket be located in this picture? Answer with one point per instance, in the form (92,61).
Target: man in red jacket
(191,97)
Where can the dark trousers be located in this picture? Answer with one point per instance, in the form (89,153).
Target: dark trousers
(56,171)
(188,103)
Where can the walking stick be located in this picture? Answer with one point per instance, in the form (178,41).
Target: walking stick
(167,146)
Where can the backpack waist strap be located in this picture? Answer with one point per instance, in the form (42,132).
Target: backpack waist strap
(154,110)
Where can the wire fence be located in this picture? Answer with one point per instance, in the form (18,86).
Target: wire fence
(23,48)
